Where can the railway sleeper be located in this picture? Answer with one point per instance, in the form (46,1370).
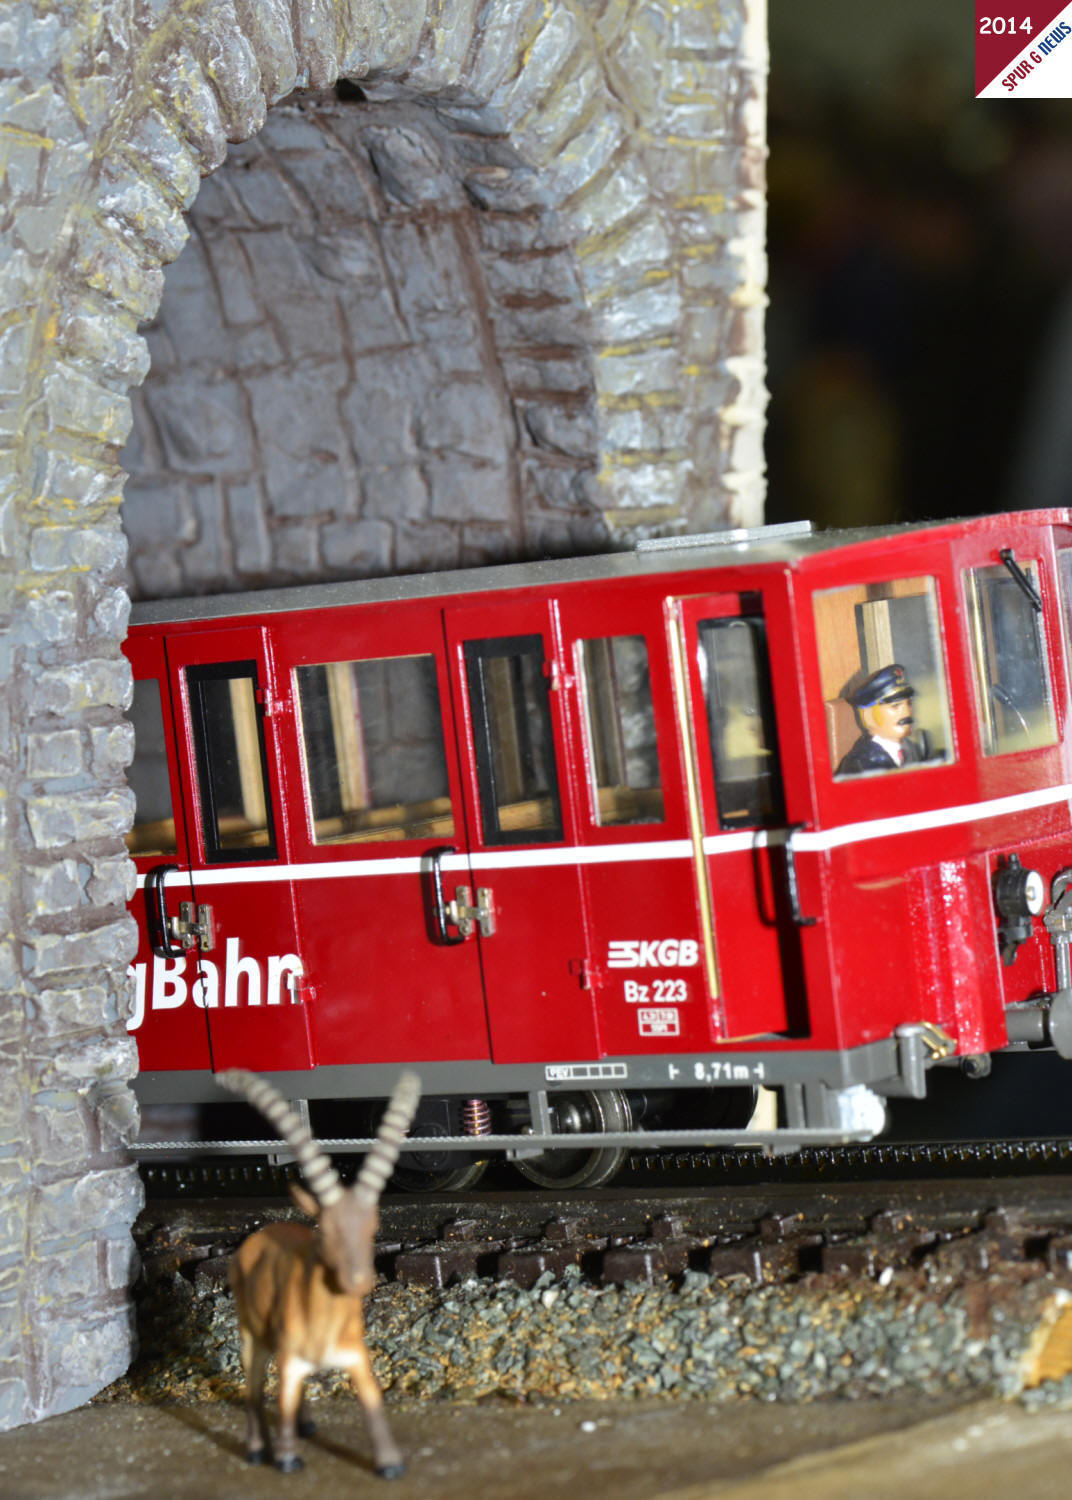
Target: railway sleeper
(776,1250)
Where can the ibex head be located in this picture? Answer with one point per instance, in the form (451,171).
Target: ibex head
(347,1217)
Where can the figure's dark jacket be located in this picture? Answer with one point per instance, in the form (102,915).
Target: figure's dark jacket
(868,755)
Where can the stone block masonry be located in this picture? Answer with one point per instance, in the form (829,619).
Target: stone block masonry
(503,300)
(329,370)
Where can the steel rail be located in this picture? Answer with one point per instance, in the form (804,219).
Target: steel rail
(775,1141)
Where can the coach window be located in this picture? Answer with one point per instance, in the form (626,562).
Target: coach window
(232,772)
(736,679)
(375,764)
(508,695)
(1014,697)
(154,818)
(883,676)
(623,758)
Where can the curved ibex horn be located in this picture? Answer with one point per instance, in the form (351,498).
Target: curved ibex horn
(383,1153)
(317,1169)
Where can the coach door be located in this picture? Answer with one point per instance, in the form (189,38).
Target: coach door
(507,677)
(741,850)
(378,837)
(243,969)
(632,818)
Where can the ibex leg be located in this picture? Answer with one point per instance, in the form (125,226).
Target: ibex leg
(386,1455)
(254,1360)
(292,1375)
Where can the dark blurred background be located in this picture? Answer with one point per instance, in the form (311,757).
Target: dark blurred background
(920,321)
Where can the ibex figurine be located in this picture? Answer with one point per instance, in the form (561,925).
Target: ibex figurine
(299,1290)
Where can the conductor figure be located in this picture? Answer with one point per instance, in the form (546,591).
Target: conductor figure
(883,704)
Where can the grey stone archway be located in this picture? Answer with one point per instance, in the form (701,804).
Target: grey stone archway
(644,122)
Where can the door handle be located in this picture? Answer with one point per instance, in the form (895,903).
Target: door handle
(791,885)
(460,912)
(159,923)
(192,927)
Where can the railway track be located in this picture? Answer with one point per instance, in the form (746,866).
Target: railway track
(843,1213)
(244,1176)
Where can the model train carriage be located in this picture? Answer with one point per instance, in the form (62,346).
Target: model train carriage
(582,839)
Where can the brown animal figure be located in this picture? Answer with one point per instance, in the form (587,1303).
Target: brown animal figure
(299,1291)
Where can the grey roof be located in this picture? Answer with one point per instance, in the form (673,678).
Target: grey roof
(753,547)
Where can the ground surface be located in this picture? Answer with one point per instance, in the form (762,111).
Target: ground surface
(628,1451)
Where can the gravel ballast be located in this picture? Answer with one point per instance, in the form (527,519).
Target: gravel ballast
(921,1331)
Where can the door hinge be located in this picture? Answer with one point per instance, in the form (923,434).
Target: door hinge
(269,707)
(465,916)
(556,677)
(302,990)
(588,975)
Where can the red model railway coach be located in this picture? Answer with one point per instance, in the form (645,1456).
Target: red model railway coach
(606,843)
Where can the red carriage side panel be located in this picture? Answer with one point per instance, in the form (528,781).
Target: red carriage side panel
(507,681)
(222,984)
(236,779)
(171,1032)
(910,855)
(737,778)
(377,803)
(633,843)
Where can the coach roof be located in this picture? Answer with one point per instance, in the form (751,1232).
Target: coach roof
(786,545)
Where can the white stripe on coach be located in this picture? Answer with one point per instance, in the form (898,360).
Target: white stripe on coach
(817,840)
(940,817)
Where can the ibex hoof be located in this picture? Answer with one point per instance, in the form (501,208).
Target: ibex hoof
(290,1465)
(391,1471)
(256,1456)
